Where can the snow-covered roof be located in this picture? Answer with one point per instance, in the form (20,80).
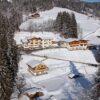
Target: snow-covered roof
(21,36)
(71,39)
(33,63)
(44,35)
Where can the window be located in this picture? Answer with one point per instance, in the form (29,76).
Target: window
(81,44)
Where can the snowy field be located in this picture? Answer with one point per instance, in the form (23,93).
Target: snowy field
(88,25)
(85,56)
(94,38)
(56,82)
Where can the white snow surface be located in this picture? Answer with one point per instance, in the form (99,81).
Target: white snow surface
(87,24)
(78,55)
(56,82)
(21,36)
(94,38)
(97,32)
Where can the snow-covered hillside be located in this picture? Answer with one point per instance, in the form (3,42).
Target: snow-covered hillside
(87,24)
(94,38)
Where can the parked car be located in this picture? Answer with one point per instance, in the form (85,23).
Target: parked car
(76,75)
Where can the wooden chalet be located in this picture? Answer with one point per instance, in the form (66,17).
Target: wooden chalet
(77,45)
(83,44)
(35,42)
(37,67)
(73,45)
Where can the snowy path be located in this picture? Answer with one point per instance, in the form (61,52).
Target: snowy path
(90,33)
(48,57)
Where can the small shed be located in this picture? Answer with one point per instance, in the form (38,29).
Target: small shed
(34,15)
(37,67)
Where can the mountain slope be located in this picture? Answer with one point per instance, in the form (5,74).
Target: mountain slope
(94,38)
(87,24)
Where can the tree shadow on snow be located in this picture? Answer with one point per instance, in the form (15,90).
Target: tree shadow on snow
(80,81)
(67,95)
(96,54)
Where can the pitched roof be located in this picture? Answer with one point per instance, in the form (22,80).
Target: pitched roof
(83,41)
(33,63)
(74,42)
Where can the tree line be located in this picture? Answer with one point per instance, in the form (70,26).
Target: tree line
(79,6)
(76,5)
(9,53)
(66,24)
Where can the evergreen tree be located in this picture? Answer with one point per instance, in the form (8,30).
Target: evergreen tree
(66,24)
(58,23)
(15,20)
(5,72)
(74,26)
(8,58)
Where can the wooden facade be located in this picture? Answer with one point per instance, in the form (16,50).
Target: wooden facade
(37,68)
(34,42)
(37,42)
(76,45)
